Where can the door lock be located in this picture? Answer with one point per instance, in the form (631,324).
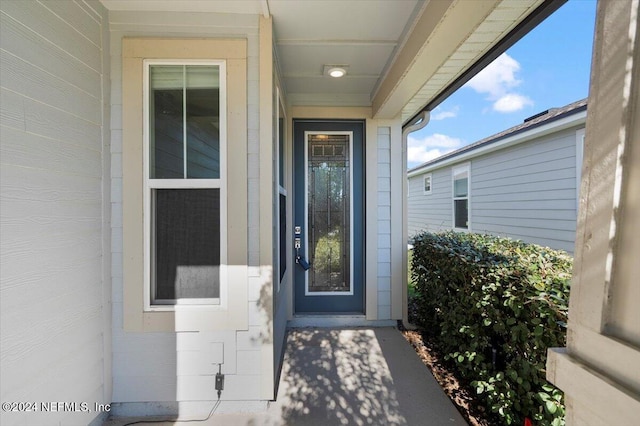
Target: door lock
(297,245)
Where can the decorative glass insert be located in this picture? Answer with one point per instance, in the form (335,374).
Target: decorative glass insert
(184,121)
(329,207)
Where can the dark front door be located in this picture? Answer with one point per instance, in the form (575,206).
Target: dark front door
(328,187)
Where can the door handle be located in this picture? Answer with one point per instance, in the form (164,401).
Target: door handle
(302,262)
(297,244)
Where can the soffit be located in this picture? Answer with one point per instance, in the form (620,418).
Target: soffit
(432,71)
(362,34)
(217,6)
(400,53)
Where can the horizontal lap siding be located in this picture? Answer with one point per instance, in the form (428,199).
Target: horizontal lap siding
(167,366)
(384,223)
(528,191)
(53,308)
(430,212)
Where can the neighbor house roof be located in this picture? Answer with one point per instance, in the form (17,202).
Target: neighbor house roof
(551,120)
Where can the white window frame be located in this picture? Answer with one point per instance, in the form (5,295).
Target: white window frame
(151,184)
(424,180)
(456,171)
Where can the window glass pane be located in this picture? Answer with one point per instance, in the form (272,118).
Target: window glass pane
(166,156)
(203,121)
(172,88)
(460,186)
(427,183)
(461,213)
(186,261)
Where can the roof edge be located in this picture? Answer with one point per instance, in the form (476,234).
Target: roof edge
(513,136)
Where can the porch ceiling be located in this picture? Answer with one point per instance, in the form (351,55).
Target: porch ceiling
(400,53)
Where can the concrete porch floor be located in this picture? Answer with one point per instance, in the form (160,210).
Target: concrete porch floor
(348,376)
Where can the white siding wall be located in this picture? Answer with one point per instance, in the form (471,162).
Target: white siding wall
(55,291)
(527,191)
(384,223)
(177,368)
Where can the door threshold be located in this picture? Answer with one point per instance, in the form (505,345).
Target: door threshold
(337,320)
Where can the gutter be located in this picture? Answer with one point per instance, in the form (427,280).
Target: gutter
(415,124)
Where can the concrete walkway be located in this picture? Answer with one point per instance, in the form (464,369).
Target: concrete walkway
(358,376)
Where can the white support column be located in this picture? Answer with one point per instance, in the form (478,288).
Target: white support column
(266,204)
(599,370)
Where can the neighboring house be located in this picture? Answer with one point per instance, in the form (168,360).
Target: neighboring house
(158,158)
(521,183)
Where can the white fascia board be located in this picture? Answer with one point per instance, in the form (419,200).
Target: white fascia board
(527,135)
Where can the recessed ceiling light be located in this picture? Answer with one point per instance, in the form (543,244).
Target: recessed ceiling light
(337,72)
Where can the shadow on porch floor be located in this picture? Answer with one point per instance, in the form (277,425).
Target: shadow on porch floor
(353,376)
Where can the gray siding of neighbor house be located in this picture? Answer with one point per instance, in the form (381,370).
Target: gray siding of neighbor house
(526,191)
(56,286)
(430,212)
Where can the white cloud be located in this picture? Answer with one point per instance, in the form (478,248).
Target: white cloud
(511,102)
(497,77)
(439,114)
(433,146)
(497,81)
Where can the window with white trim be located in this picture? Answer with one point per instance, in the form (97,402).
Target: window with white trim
(461,197)
(185,191)
(426,184)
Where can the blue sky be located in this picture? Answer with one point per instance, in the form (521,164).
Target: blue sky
(549,67)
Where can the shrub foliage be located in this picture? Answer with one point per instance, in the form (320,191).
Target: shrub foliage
(494,306)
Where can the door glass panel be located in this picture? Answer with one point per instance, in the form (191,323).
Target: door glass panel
(329,198)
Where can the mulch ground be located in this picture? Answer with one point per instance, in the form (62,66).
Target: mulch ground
(460,393)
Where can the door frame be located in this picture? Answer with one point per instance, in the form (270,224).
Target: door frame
(357,238)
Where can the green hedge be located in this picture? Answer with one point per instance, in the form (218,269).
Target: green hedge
(494,306)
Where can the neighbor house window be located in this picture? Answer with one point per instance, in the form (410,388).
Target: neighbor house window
(427,184)
(461,197)
(185,199)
